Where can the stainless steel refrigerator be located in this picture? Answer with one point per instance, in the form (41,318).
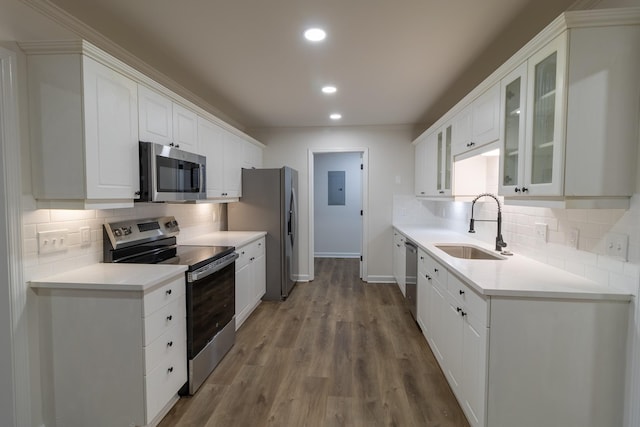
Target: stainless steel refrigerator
(269,203)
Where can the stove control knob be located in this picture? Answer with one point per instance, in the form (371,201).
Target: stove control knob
(171,224)
(117,232)
(126,230)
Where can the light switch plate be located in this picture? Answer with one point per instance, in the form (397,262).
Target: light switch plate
(541,232)
(573,237)
(617,245)
(85,236)
(52,241)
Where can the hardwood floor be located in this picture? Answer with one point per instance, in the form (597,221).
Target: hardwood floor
(337,352)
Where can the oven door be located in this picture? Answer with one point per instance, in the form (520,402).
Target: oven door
(210,306)
(168,174)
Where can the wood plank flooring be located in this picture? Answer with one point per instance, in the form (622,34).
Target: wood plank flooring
(337,352)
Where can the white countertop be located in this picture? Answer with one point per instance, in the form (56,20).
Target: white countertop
(113,277)
(515,276)
(225,238)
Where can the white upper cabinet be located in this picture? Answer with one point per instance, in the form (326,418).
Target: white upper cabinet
(512,160)
(224,152)
(155,116)
(564,111)
(83,129)
(185,128)
(479,123)
(165,122)
(251,156)
(433,165)
(544,148)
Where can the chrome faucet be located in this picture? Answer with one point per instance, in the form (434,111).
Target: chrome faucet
(500,243)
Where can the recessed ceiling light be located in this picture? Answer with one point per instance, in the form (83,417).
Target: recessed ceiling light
(329,89)
(335,116)
(315,34)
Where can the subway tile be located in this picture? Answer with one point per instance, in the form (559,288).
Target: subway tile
(596,274)
(30,246)
(575,267)
(577,215)
(599,216)
(632,270)
(556,262)
(36,217)
(29,231)
(58,215)
(611,264)
(626,283)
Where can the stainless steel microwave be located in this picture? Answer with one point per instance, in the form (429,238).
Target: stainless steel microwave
(168,174)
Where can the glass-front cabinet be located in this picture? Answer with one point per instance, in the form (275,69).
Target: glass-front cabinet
(445,161)
(513,100)
(434,164)
(532,108)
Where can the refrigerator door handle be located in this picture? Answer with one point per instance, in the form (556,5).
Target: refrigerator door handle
(293,217)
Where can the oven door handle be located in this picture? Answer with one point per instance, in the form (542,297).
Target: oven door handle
(205,271)
(149,252)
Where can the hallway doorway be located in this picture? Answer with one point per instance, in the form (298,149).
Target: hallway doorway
(338,205)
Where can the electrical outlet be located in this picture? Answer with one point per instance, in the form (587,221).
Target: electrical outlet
(52,241)
(541,232)
(85,236)
(573,237)
(617,245)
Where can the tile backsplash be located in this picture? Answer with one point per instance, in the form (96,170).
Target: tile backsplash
(194,219)
(589,259)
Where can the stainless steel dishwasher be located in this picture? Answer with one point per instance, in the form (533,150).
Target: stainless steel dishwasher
(411,277)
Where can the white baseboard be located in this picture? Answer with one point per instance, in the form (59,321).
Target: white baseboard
(302,278)
(380,279)
(336,255)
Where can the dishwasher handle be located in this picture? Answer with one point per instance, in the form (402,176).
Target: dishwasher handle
(411,247)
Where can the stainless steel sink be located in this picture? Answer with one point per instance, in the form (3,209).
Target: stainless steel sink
(468,251)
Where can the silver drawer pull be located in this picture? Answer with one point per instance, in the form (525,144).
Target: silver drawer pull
(170,344)
(168,292)
(170,370)
(169,318)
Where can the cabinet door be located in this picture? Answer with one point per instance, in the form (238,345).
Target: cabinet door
(452,342)
(185,129)
(243,294)
(232,165)
(486,117)
(211,145)
(474,369)
(110,127)
(155,116)
(430,165)
(424,301)
(544,171)
(461,133)
(513,101)
(259,277)
(437,307)
(445,161)
(420,158)
(251,155)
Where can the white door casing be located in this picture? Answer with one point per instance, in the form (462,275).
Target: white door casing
(15,399)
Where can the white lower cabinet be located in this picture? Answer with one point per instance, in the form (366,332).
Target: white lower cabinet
(116,357)
(524,361)
(399,260)
(251,279)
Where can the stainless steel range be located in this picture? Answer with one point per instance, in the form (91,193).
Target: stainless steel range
(210,285)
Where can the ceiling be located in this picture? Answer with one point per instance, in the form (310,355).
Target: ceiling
(393,62)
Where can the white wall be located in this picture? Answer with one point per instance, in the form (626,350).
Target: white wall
(338,229)
(390,173)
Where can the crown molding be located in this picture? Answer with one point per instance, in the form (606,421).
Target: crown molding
(566,21)
(95,45)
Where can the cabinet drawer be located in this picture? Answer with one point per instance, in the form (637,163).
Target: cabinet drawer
(243,257)
(436,270)
(258,248)
(422,261)
(164,319)
(163,295)
(165,346)
(165,380)
(467,297)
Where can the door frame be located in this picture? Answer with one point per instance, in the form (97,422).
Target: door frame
(14,339)
(365,203)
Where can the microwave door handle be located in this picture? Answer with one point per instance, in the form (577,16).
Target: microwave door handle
(203,179)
